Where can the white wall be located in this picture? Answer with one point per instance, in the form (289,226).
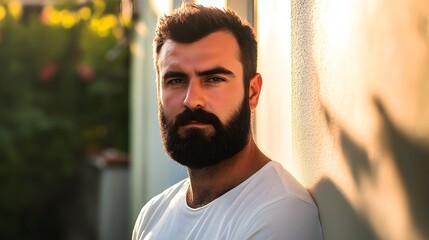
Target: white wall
(273,119)
(360,85)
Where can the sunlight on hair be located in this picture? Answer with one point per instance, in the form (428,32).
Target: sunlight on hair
(213,3)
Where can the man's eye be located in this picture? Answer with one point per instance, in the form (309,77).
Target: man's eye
(175,81)
(214,79)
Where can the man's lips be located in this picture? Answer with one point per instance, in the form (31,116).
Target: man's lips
(195,124)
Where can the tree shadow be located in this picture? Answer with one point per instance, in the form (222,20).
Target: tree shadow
(338,218)
(412,161)
(356,157)
(410,157)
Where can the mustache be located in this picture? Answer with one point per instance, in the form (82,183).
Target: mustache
(197,115)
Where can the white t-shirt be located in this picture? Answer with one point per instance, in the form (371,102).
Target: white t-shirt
(270,204)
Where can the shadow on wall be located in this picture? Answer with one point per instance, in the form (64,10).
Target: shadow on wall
(338,218)
(381,190)
(412,162)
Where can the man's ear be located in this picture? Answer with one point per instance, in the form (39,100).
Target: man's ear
(255,90)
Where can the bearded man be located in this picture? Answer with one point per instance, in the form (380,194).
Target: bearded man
(208,89)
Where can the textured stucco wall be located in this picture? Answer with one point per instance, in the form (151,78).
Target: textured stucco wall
(360,97)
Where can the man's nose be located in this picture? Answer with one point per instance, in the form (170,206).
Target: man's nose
(194,96)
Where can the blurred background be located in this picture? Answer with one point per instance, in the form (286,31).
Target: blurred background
(64,99)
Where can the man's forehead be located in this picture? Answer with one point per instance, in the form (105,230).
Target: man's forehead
(216,49)
(169,48)
(221,39)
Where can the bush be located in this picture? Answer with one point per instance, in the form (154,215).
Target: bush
(63,95)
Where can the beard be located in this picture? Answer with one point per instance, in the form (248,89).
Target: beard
(196,149)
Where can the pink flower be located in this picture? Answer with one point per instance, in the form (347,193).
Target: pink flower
(48,71)
(43,18)
(85,72)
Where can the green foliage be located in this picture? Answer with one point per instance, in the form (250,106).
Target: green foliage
(62,96)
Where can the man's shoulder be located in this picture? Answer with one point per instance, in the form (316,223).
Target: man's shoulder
(272,188)
(286,218)
(169,193)
(278,204)
(158,203)
(276,182)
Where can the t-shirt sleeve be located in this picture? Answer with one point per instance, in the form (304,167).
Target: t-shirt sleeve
(290,218)
(140,222)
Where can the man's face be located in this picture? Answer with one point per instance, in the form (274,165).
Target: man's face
(204,112)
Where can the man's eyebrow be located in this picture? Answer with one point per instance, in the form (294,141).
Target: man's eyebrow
(174,74)
(213,71)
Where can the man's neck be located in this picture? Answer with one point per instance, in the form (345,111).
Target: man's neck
(209,183)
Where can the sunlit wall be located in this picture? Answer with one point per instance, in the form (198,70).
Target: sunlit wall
(273,116)
(360,114)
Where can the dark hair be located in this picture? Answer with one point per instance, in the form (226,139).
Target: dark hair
(192,22)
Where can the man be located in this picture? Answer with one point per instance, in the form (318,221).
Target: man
(208,89)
